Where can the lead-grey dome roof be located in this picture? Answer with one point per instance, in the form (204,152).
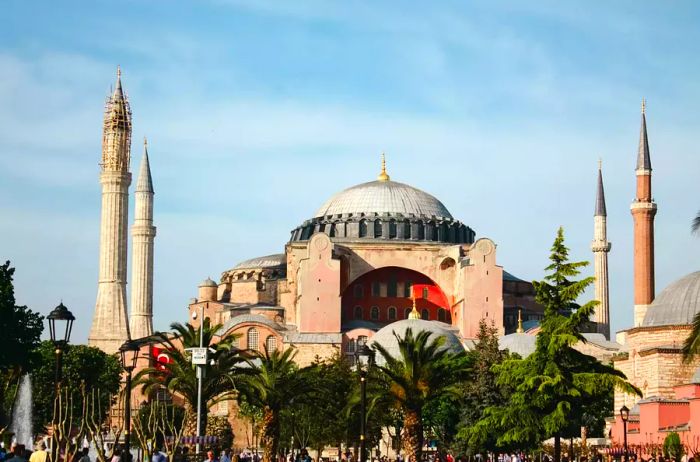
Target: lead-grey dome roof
(677,304)
(520,343)
(277,260)
(383,197)
(385,336)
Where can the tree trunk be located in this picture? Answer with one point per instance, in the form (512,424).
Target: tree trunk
(412,438)
(557,448)
(270,434)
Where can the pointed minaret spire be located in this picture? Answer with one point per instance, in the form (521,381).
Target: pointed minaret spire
(643,212)
(600,247)
(643,157)
(143,234)
(110,324)
(383,176)
(600,193)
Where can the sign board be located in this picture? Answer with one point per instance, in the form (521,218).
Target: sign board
(199,356)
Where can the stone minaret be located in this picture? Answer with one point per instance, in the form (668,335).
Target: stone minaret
(142,235)
(600,247)
(643,212)
(110,326)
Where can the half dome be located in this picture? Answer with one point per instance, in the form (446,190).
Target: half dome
(383,197)
(677,304)
(386,338)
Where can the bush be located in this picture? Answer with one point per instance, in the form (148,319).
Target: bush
(673,448)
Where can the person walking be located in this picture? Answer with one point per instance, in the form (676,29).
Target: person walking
(40,454)
(17,453)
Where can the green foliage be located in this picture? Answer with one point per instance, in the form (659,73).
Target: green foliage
(482,391)
(556,384)
(673,448)
(180,376)
(82,366)
(22,328)
(220,427)
(423,373)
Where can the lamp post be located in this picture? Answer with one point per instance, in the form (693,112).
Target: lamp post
(129,353)
(60,326)
(364,359)
(625,416)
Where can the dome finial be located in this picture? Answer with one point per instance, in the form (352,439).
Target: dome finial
(414,314)
(383,175)
(520,329)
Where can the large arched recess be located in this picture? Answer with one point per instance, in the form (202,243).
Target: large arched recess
(376,289)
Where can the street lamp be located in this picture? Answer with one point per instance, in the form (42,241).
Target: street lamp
(129,353)
(60,335)
(625,416)
(364,359)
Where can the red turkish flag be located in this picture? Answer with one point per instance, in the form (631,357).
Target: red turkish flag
(161,357)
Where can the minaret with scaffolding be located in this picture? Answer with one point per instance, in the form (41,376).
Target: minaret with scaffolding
(110,326)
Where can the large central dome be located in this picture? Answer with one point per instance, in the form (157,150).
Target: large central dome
(387,211)
(383,196)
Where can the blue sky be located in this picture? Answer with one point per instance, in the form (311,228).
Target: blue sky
(256,111)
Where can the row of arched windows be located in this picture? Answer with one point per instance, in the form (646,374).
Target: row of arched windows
(253,341)
(374,313)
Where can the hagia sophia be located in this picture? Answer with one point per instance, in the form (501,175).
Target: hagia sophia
(383,255)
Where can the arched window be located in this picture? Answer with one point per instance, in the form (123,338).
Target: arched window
(363,228)
(253,339)
(358,312)
(441,314)
(424,314)
(350,346)
(374,313)
(359,291)
(407,229)
(377,228)
(392,313)
(407,288)
(271,343)
(425,293)
(406,312)
(391,287)
(361,340)
(375,289)
(392,229)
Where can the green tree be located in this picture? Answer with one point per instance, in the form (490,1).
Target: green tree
(423,372)
(179,376)
(23,329)
(673,448)
(482,391)
(556,384)
(275,381)
(83,366)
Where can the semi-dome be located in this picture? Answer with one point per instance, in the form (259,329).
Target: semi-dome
(276,260)
(386,338)
(518,342)
(677,304)
(383,197)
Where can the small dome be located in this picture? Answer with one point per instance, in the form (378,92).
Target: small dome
(277,260)
(385,336)
(208,282)
(379,197)
(520,343)
(677,304)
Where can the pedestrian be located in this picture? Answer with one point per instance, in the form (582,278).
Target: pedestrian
(225,456)
(158,455)
(85,455)
(17,451)
(40,454)
(210,456)
(116,454)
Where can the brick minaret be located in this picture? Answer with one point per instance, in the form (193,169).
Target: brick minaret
(109,325)
(142,235)
(600,247)
(643,212)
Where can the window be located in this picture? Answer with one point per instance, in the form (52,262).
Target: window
(358,312)
(377,228)
(253,339)
(391,288)
(392,313)
(375,289)
(350,346)
(425,292)
(424,314)
(271,343)
(407,289)
(392,229)
(406,312)
(441,315)
(358,291)
(374,313)
(363,228)
(361,340)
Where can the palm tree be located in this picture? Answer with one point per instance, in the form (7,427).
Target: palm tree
(179,375)
(695,227)
(691,347)
(423,371)
(274,382)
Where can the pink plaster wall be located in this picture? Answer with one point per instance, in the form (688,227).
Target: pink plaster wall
(320,298)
